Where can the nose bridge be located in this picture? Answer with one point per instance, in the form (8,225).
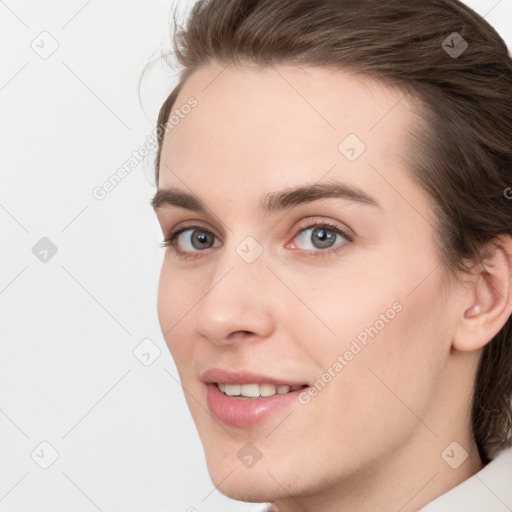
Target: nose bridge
(236,298)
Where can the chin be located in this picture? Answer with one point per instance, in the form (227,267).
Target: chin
(265,482)
(251,485)
(252,494)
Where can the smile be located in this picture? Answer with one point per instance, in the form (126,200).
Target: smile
(242,398)
(255,390)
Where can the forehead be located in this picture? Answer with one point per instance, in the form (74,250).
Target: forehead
(278,126)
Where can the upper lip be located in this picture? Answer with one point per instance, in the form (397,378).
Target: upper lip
(217,375)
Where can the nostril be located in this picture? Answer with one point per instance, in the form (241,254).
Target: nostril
(243,334)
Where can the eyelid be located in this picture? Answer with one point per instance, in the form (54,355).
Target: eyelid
(191,224)
(310,222)
(303,225)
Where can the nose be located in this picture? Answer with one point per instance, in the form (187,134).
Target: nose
(237,303)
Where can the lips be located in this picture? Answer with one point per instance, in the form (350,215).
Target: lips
(217,375)
(244,398)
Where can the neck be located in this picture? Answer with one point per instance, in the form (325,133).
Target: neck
(405,481)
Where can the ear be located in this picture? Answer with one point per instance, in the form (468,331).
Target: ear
(489,303)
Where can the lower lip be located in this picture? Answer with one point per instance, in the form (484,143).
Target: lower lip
(246,412)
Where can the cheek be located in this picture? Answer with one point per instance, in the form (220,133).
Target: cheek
(389,332)
(176,299)
(392,348)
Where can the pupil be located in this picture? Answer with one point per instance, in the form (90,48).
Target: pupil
(200,239)
(323,238)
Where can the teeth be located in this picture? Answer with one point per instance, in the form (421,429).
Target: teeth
(250,390)
(267,389)
(232,389)
(255,390)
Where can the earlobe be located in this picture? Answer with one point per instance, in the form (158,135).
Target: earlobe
(491,299)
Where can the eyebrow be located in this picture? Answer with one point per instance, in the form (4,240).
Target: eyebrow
(274,201)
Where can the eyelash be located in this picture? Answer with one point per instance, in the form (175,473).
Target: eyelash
(170,240)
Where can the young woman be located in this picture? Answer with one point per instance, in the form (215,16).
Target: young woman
(334,187)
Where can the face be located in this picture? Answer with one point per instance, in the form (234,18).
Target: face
(333,290)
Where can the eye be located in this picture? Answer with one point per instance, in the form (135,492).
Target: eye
(317,239)
(190,239)
(322,237)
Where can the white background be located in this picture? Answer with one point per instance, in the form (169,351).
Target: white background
(68,327)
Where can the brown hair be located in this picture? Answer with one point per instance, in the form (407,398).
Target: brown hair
(462,152)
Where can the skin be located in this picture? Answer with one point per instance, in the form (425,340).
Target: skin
(372,439)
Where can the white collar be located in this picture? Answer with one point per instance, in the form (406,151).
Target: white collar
(489,490)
